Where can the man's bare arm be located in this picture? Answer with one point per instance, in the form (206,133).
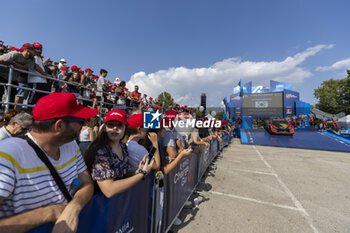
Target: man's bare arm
(70,216)
(31,219)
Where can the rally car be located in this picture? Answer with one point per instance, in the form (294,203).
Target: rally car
(279,126)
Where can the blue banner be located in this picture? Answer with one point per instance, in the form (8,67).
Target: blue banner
(178,186)
(247,88)
(289,98)
(279,86)
(236,101)
(129,211)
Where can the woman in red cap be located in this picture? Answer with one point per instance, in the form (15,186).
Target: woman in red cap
(107,157)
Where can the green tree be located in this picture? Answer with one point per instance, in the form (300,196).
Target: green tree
(333,95)
(347,93)
(166,98)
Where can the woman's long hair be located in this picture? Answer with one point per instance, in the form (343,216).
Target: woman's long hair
(100,142)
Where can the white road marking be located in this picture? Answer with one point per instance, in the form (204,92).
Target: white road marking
(297,203)
(255,200)
(245,170)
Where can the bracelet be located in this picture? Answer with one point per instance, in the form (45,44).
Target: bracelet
(144,173)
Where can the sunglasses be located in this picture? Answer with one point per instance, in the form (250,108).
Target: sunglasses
(111,124)
(24,129)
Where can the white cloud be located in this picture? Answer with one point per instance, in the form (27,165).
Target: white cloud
(342,64)
(218,80)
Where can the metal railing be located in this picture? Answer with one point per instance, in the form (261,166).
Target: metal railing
(9,85)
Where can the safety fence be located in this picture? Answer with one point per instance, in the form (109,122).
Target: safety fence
(11,86)
(149,206)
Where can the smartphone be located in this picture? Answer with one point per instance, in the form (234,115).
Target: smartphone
(151,154)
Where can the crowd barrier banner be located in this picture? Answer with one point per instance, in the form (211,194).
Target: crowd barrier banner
(178,186)
(129,211)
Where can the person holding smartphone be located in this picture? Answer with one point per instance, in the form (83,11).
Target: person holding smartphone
(107,157)
(134,134)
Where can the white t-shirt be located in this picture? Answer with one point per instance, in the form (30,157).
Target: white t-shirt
(34,78)
(100,82)
(25,181)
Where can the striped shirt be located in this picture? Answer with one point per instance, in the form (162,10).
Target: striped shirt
(26,182)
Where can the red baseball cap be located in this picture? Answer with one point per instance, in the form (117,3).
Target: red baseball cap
(95,76)
(75,68)
(14,48)
(37,45)
(116,115)
(88,69)
(135,120)
(58,105)
(170,116)
(64,68)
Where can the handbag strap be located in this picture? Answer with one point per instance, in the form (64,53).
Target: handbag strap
(52,169)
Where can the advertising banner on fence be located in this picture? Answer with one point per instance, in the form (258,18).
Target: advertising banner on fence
(124,213)
(178,185)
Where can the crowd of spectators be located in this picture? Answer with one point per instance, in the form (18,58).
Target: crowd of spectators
(46,76)
(109,156)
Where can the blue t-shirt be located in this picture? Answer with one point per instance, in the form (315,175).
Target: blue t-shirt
(169,138)
(136,153)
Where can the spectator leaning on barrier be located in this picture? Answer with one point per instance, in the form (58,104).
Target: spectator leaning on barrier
(168,143)
(60,77)
(35,81)
(101,86)
(74,78)
(27,201)
(18,125)
(120,94)
(107,157)
(86,83)
(137,152)
(21,60)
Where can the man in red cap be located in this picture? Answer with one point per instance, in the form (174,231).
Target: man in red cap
(24,60)
(63,77)
(86,82)
(30,196)
(36,80)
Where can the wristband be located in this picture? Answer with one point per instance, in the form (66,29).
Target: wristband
(144,173)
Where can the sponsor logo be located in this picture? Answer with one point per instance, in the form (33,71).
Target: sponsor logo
(125,228)
(184,174)
(291,96)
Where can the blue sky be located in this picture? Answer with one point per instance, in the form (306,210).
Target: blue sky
(190,47)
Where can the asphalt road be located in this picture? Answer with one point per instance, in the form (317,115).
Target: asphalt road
(273,189)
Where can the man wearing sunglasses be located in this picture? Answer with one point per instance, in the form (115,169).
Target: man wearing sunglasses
(18,125)
(29,195)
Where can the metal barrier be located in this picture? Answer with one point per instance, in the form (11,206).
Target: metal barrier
(136,210)
(6,101)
